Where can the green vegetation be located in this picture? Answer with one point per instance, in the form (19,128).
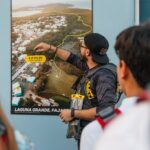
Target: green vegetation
(62,75)
(63,102)
(57,82)
(56,38)
(84,13)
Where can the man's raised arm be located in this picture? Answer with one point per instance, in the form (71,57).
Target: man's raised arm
(61,53)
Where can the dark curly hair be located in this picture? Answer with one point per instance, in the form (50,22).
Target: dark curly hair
(133,46)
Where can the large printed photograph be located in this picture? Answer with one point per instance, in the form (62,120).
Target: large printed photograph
(41,82)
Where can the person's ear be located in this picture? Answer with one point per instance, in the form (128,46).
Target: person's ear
(88,53)
(123,69)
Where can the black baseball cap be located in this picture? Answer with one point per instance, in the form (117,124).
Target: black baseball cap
(98,45)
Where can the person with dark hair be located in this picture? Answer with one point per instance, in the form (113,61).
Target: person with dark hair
(131,130)
(97,88)
(94,131)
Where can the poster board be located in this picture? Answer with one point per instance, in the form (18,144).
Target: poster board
(41,82)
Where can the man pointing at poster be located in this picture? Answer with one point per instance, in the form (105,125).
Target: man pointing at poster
(96,90)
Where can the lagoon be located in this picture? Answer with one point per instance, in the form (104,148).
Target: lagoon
(25,13)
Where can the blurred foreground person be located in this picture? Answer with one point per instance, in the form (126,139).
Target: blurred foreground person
(95,129)
(131,131)
(7,136)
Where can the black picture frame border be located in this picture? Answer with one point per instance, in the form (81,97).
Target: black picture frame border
(12,112)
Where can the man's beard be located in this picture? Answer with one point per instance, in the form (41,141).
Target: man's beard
(83,58)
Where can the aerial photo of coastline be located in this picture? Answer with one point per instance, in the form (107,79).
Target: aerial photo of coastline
(45,87)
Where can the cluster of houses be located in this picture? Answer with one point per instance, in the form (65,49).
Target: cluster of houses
(30,79)
(17,89)
(17,92)
(30,31)
(26,33)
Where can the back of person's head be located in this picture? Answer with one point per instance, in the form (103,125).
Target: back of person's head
(133,47)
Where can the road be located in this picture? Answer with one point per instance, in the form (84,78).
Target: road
(20,71)
(73,35)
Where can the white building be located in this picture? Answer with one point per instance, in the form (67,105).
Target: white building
(34,70)
(22,57)
(31,79)
(16,85)
(22,49)
(15,101)
(18,92)
(25,42)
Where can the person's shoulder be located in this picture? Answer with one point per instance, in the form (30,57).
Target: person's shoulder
(128,124)
(127,104)
(90,135)
(92,128)
(105,74)
(130,117)
(108,69)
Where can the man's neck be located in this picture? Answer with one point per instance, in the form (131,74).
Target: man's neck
(133,90)
(91,64)
(132,87)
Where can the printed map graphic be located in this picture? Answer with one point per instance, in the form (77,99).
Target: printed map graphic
(45,87)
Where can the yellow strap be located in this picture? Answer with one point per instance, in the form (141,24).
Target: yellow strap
(77,96)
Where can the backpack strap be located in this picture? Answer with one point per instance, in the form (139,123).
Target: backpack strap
(4,138)
(108,116)
(144,96)
(101,122)
(117,111)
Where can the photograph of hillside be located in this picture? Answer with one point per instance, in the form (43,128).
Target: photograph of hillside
(45,87)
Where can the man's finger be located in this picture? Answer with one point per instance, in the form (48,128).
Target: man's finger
(39,50)
(61,116)
(39,46)
(62,119)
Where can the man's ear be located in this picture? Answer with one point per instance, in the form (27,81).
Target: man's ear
(88,53)
(123,69)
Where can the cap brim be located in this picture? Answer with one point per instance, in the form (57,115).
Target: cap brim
(102,59)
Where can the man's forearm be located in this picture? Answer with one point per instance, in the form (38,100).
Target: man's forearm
(87,114)
(61,53)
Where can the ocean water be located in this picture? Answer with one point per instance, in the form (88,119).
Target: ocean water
(25,13)
(35,3)
(76,4)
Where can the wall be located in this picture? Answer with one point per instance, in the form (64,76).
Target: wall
(111,17)
(144,10)
(48,132)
